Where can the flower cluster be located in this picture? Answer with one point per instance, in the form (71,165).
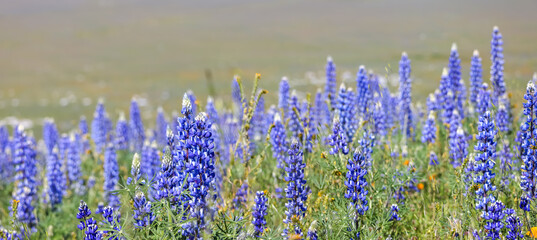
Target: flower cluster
(429,129)
(457,86)
(283,100)
(293,114)
(445,98)
(476,78)
(111,176)
(458,143)
(136,127)
(241,196)
(55,178)
(527,145)
(394,213)
(483,100)
(99,127)
(346,109)
(278,141)
(259,211)
(296,191)
(362,90)
(50,134)
(337,140)
(143,216)
(87,224)
(405,91)
(330,87)
(514,225)
(496,69)
(122,133)
(494,216)
(356,182)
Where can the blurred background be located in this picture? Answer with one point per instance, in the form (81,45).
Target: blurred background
(57,58)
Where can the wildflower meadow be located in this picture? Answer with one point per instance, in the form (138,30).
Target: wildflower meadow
(353,160)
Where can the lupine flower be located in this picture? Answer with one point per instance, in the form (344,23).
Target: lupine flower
(211,111)
(201,173)
(433,159)
(483,100)
(483,172)
(99,128)
(50,134)
(83,130)
(150,160)
(529,166)
(87,223)
(394,213)
(446,97)
(135,170)
(379,117)
(362,89)
(330,87)
(405,91)
(496,69)
(111,176)
(278,141)
(367,142)
(167,182)
(161,126)
(476,78)
(112,219)
(143,216)
(312,234)
(319,112)
(457,86)
(503,118)
(6,165)
(237,97)
(338,140)
(283,99)
(193,101)
(356,182)
(259,212)
(429,129)
(55,178)
(25,177)
(295,125)
(457,141)
(136,127)
(514,225)
(122,133)
(389,107)
(346,107)
(241,196)
(296,191)
(432,103)
(494,217)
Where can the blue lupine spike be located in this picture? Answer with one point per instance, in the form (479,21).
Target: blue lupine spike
(527,149)
(136,125)
(346,109)
(503,115)
(166,182)
(111,176)
(112,219)
(135,170)
(193,101)
(338,140)
(55,178)
(483,100)
(362,90)
(318,111)
(201,173)
(394,213)
(241,196)
(259,212)
(494,217)
(429,129)
(296,191)
(476,78)
(99,127)
(87,224)
(160,127)
(330,87)
(514,225)
(83,125)
(356,182)
(83,131)
(483,168)
(143,216)
(379,117)
(496,69)
(457,85)
(6,164)
(432,103)
(284,98)
(458,143)
(405,91)
(294,124)
(146,162)
(122,133)
(278,141)
(388,107)
(186,108)
(445,96)
(25,190)
(367,142)
(211,111)
(237,97)
(50,134)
